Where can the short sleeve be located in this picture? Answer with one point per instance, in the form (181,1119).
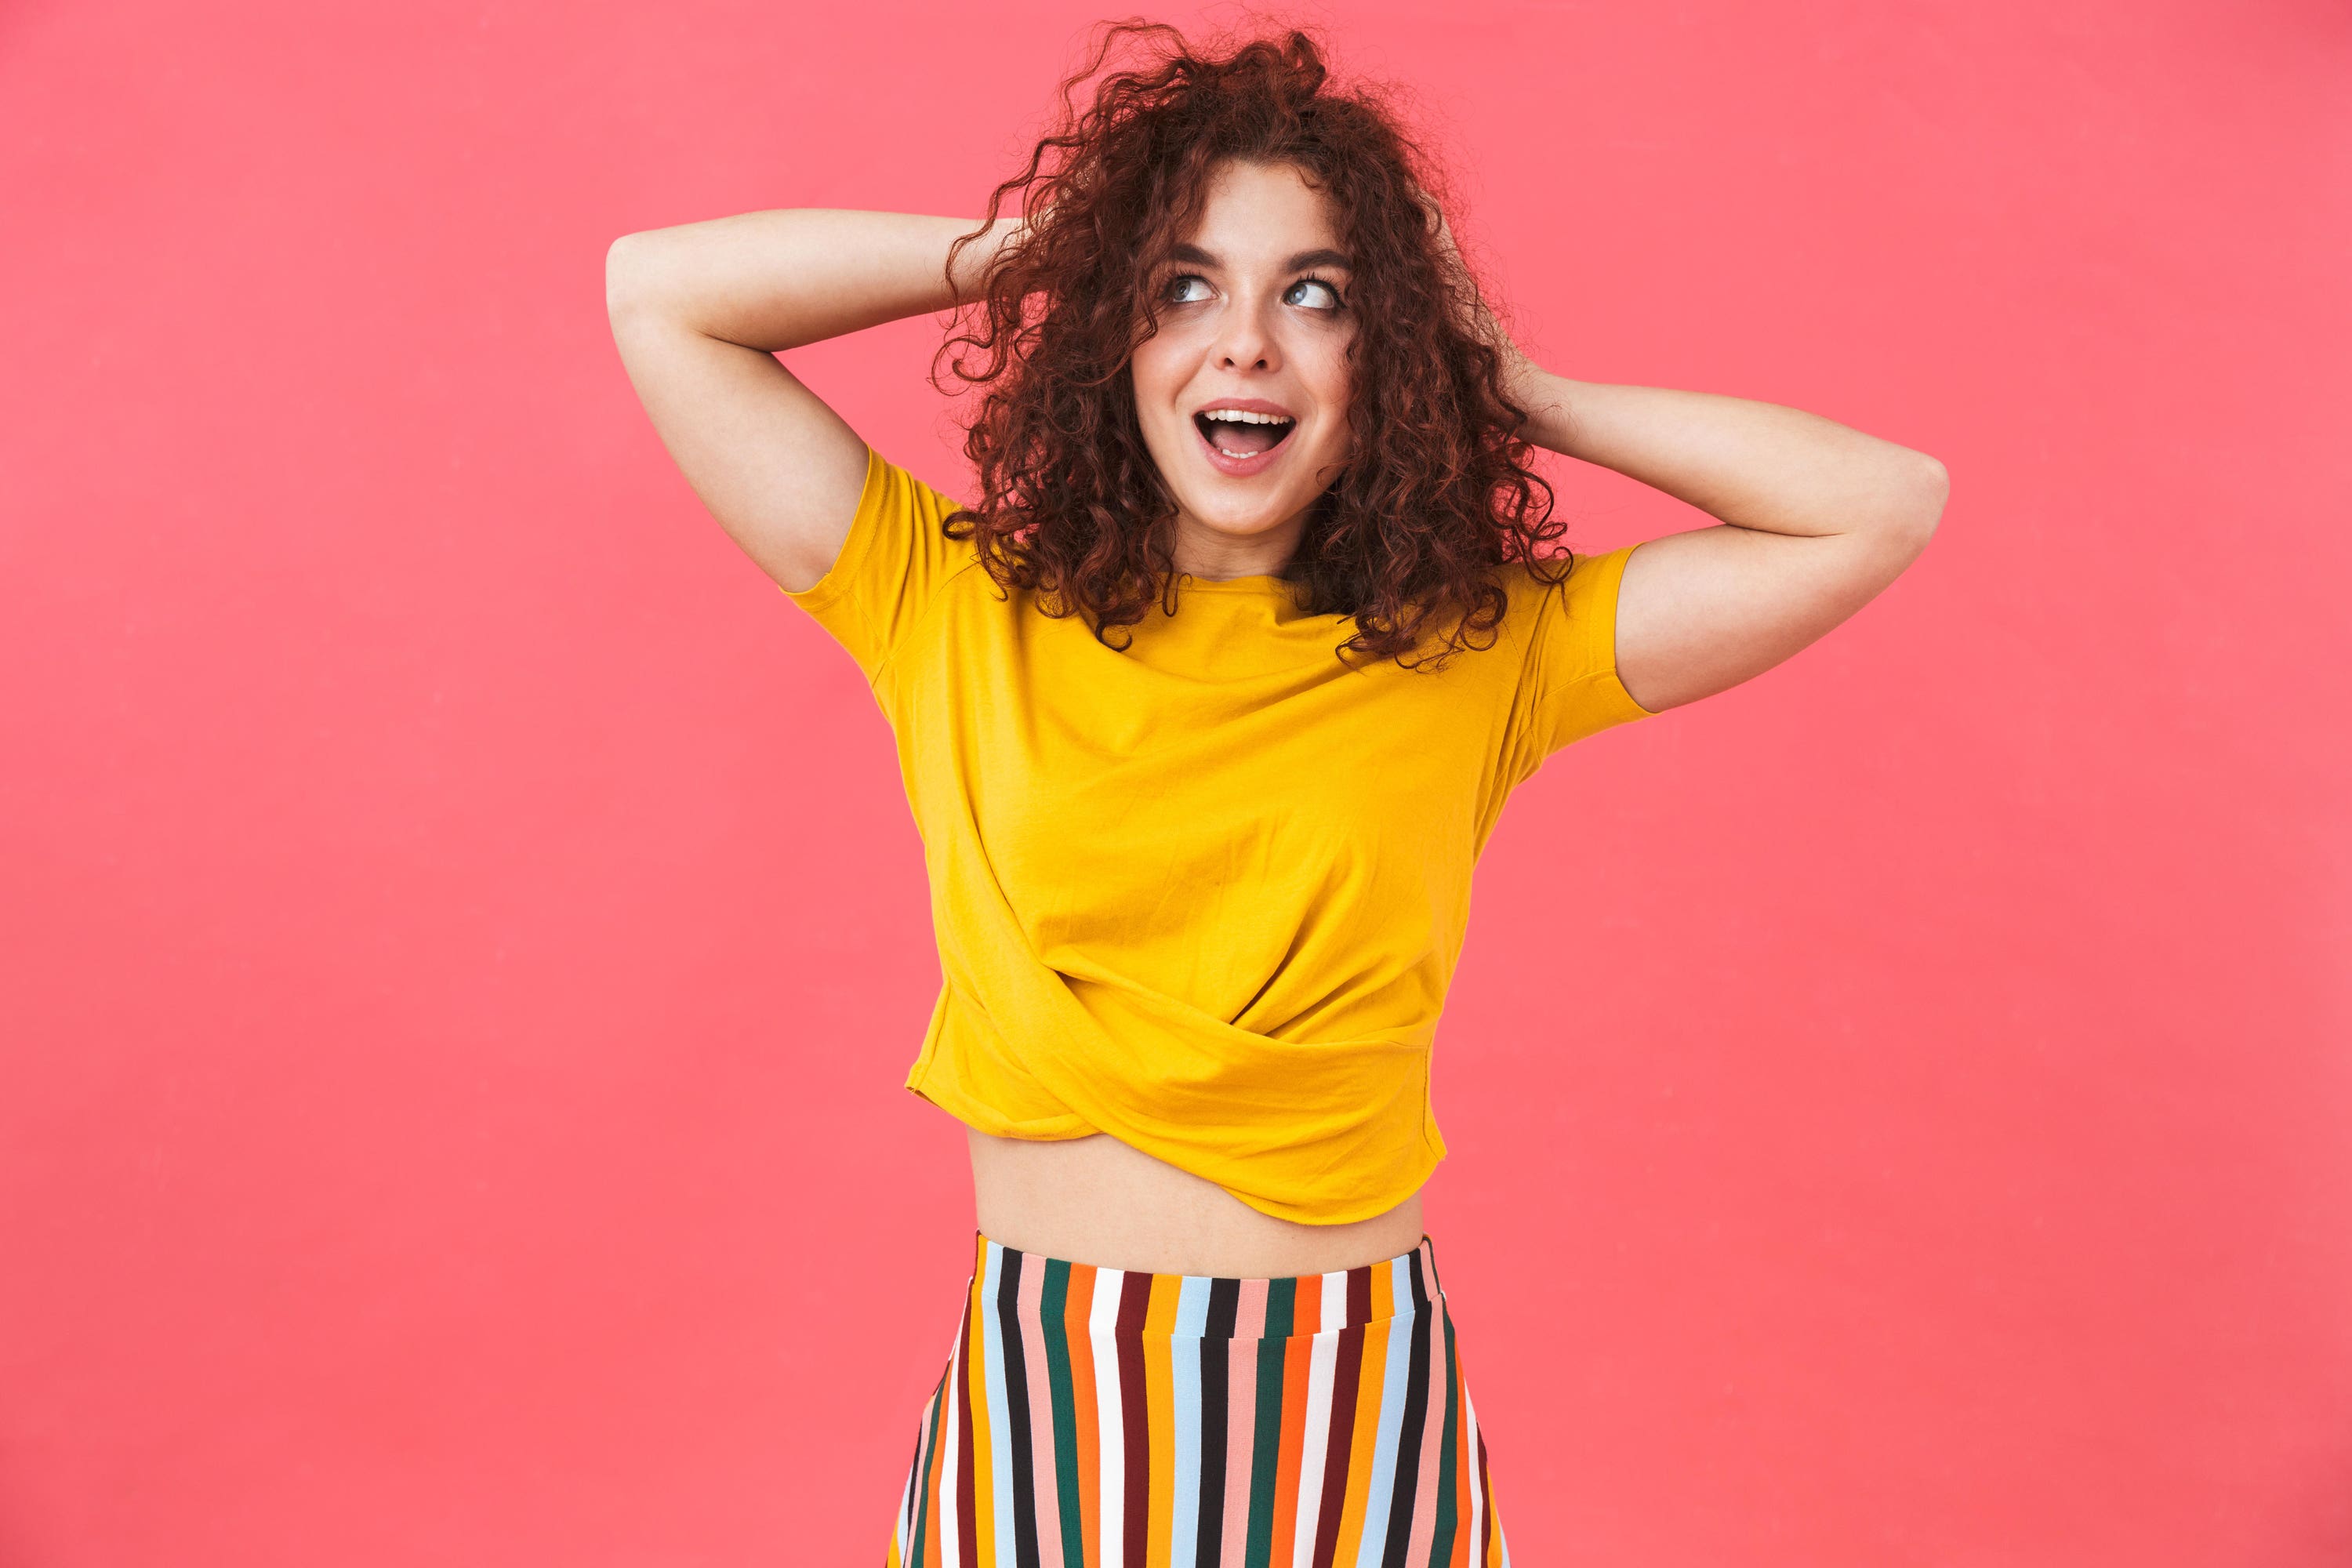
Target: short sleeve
(1570,688)
(891,566)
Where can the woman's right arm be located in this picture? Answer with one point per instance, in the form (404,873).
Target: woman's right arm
(699,313)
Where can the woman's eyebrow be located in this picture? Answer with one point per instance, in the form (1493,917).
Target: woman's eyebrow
(1299,263)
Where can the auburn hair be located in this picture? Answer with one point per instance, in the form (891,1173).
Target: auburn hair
(1071,505)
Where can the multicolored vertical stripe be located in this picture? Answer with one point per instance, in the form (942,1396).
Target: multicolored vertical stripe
(1096,1418)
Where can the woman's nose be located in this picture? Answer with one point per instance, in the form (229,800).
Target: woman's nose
(1245,343)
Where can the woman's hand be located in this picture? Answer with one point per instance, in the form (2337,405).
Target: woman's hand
(1518,371)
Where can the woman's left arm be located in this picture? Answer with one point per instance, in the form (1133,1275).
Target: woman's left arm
(1815,519)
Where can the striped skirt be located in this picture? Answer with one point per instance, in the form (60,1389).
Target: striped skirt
(1095,1418)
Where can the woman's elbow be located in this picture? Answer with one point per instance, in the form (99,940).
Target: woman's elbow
(1920,498)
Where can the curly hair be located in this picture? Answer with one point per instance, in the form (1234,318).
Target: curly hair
(1071,505)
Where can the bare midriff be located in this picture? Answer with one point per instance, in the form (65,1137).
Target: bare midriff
(1097,1200)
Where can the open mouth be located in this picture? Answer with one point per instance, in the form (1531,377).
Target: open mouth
(1240,437)
(1245,436)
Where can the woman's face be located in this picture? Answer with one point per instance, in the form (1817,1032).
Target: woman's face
(1254,321)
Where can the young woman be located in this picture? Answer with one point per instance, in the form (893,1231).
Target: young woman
(1205,706)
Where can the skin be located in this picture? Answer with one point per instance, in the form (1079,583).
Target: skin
(1238,318)
(1812,519)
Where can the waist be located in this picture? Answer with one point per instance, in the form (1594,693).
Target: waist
(1100,1201)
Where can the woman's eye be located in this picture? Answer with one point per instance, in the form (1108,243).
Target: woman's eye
(1312,293)
(1320,295)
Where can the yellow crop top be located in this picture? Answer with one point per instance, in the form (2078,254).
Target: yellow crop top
(1207,894)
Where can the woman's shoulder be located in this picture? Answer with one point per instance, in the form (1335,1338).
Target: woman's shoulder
(1559,596)
(1571,576)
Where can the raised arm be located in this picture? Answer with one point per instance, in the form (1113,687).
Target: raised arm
(1815,519)
(699,313)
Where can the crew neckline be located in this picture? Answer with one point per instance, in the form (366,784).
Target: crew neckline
(1258,582)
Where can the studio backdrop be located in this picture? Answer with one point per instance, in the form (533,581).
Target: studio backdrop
(462,933)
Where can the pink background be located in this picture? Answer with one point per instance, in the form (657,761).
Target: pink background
(463,934)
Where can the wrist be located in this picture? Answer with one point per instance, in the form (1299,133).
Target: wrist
(1535,390)
(972,264)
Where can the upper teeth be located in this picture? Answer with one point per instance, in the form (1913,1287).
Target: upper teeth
(1241,416)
